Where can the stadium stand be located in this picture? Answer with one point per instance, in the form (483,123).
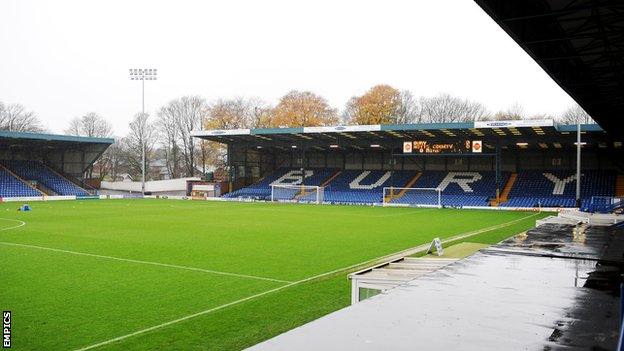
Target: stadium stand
(557,188)
(13,187)
(523,164)
(530,188)
(40,173)
(36,164)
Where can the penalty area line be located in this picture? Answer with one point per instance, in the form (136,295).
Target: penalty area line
(237,275)
(305,280)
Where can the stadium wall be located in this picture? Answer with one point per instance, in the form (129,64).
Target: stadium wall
(37,198)
(164,187)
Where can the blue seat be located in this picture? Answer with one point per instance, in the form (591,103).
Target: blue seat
(481,188)
(37,171)
(536,188)
(531,189)
(13,187)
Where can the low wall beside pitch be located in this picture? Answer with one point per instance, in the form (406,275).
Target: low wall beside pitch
(173,187)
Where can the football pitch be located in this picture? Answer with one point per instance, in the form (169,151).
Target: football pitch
(195,275)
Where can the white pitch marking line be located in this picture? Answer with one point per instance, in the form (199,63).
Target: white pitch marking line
(380,259)
(147,262)
(411,212)
(367,215)
(21,223)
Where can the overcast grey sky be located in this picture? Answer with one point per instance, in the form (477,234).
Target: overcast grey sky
(65,58)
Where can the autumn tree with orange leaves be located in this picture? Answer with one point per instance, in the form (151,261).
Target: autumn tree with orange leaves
(303,109)
(381,104)
(234,113)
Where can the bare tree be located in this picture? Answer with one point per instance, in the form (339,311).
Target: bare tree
(349,111)
(575,113)
(446,108)
(238,112)
(142,134)
(514,112)
(90,124)
(188,114)
(14,117)
(111,163)
(169,136)
(410,110)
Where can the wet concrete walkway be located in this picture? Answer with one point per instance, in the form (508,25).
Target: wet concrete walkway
(555,288)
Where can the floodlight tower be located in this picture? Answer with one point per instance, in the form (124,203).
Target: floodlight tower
(143,74)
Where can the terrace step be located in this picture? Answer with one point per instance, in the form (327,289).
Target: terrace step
(75,182)
(403,191)
(504,196)
(45,190)
(329,180)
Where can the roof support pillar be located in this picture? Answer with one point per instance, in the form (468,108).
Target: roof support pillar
(578,163)
(497,162)
(303,165)
(229,166)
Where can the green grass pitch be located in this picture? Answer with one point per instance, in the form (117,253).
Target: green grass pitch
(185,275)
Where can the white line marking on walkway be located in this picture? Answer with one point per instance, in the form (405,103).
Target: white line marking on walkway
(147,262)
(21,223)
(380,259)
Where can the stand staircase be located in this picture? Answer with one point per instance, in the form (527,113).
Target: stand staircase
(504,196)
(403,191)
(303,193)
(69,178)
(329,180)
